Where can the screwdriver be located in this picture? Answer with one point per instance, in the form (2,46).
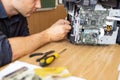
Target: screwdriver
(46,60)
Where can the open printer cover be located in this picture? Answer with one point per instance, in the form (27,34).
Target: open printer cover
(93,22)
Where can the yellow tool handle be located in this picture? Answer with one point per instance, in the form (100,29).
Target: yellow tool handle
(48,60)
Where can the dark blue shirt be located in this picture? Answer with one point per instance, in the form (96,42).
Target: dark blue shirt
(10,27)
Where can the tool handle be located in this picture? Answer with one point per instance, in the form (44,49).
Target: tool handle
(47,60)
(35,54)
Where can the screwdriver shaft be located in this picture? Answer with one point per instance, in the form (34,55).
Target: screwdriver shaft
(62,51)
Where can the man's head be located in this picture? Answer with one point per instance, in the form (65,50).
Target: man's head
(25,7)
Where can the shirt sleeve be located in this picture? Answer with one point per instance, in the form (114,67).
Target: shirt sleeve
(5,50)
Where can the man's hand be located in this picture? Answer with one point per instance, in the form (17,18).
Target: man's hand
(58,30)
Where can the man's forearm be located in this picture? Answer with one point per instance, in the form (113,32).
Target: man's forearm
(23,45)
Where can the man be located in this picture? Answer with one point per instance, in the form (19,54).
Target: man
(14,39)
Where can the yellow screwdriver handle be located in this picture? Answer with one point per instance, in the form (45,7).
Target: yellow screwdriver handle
(47,60)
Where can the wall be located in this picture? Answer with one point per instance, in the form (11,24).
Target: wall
(43,19)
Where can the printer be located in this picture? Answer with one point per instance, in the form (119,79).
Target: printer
(93,21)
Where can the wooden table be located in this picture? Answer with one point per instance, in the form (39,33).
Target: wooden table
(89,62)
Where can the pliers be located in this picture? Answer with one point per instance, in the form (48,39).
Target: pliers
(46,59)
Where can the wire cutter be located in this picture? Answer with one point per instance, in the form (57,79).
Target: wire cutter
(47,58)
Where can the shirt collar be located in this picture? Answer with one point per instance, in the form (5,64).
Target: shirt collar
(3,14)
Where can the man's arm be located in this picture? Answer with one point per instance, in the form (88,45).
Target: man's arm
(25,45)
